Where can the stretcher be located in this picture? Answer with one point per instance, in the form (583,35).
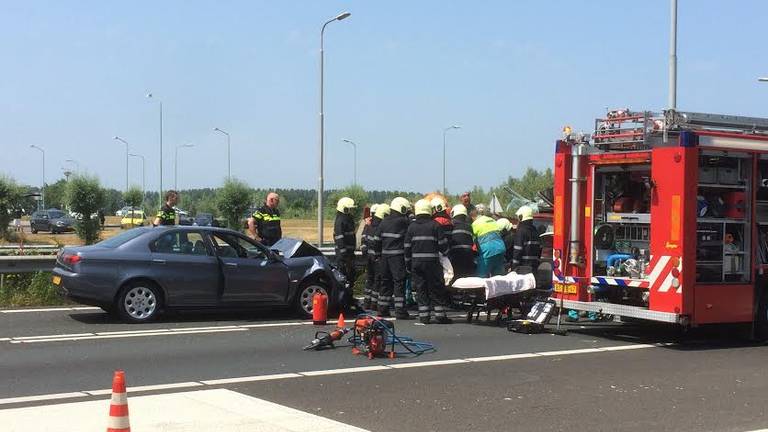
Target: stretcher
(503,294)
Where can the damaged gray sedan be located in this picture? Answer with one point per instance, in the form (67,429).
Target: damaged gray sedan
(145,271)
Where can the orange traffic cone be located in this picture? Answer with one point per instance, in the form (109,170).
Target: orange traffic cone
(118,407)
(341,323)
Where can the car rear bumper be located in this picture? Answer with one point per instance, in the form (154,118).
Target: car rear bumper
(77,288)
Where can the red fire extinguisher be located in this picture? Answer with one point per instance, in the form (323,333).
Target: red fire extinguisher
(319,308)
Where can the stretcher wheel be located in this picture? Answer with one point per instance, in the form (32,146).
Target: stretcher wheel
(469,317)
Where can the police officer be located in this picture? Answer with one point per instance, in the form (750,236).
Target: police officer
(527,248)
(167,214)
(264,225)
(344,239)
(389,243)
(460,243)
(424,241)
(373,275)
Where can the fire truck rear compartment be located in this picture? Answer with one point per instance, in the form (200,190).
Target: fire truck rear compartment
(621,233)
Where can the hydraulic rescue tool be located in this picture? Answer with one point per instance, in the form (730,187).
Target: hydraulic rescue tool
(325,339)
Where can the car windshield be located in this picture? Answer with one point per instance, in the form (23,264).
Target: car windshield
(56,214)
(120,239)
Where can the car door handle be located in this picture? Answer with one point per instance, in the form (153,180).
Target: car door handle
(230,264)
(158,261)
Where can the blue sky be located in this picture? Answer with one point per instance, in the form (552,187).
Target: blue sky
(512,73)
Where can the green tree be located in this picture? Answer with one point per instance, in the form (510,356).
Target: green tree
(528,186)
(133,197)
(232,201)
(10,202)
(85,197)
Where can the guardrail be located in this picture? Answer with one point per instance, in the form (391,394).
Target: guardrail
(35,263)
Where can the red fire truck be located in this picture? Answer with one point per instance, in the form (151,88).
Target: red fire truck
(664,217)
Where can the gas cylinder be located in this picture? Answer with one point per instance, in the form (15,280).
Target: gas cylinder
(319,308)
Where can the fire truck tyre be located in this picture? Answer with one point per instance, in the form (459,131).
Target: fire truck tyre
(761,321)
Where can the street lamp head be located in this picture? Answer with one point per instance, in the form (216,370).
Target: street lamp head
(455,127)
(763,79)
(342,16)
(216,129)
(346,140)
(149,95)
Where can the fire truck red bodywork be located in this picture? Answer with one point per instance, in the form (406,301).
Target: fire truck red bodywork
(673,285)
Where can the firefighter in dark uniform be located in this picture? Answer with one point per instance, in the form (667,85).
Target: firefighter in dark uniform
(507,233)
(424,241)
(373,276)
(264,225)
(389,239)
(344,239)
(527,248)
(460,243)
(440,215)
(167,214)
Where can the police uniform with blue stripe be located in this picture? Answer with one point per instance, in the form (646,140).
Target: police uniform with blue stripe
(267,221)
(167,215)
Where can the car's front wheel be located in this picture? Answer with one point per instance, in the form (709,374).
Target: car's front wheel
(306,293)
(139,302)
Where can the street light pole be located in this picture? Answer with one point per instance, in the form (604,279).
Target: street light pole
(160,194)
(175,165)
(75,163)
(673,56)
(143,177)
(445,130)
(229,153)
(339,17)
(117,138)
(354,148)
(41,203)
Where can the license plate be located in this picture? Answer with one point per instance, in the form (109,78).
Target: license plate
(57,280)
(566,288)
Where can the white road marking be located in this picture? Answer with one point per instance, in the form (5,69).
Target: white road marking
(54,309)
(200,411)
(308,374)
(125,335)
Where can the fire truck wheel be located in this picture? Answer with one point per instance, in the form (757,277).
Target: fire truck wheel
(761,321)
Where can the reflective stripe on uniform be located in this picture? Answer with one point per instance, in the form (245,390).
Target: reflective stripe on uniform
(461,247)
(339,237)
(533,242)
(425,255)
(461,231)
(391,235)
(393,252)
(423,238)
(529,257)
(518,247)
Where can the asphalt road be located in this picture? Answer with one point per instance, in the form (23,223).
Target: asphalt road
(609,376)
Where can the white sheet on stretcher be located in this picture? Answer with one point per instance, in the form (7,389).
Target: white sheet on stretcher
(497,286)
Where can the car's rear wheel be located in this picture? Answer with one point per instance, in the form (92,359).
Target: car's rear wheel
(34,231)
(139,302)
(306,293)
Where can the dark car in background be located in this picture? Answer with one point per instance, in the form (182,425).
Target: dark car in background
(53,220)
(205,219)
(142,272)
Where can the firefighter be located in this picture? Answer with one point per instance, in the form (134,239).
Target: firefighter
(373,276)
(264,225)
(507,233)
(460,243)
(440,215)
(389,240)
(167,214)
(424,241)
(344,239)
(527,248)
(490,246)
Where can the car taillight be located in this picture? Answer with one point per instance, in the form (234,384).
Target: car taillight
(71,259)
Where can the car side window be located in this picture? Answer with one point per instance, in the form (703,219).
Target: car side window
(180,242)
(232,246)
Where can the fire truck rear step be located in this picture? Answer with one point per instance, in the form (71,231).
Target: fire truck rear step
(623,310)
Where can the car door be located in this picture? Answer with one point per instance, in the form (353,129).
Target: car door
(251,272)
(186,268)
(42,222)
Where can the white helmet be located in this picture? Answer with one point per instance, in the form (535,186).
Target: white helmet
(524,213)
(438,204)
(400,205)
(422,207)
(373,208)
(382,211)
(458,209)
(345,205)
